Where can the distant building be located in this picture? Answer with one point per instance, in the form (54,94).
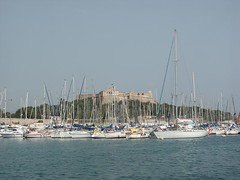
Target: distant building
(141,96)
(112,94)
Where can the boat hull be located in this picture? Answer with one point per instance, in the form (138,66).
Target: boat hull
(179,134)
(34,135)
(12,135)
(60,134)
(232,132)
(98,136)
(138,136)
(113,135)
(80,134)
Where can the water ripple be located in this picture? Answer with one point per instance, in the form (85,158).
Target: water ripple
(204,158)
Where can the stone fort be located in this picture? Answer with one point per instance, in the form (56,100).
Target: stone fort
(114,95)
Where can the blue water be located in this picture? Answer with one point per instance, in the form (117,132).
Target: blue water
(205,158)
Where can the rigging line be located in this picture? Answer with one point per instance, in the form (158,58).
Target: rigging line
(70,87)
(47,95)
(53,107)
(50,104)
(84,79)
(66,101)
(165,77)
(80,93)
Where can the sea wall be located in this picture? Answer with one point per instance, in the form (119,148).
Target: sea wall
(22,121)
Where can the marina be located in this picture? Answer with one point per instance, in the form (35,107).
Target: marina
(119,90)
(184,129)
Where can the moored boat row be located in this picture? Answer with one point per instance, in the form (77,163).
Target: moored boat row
(116,132)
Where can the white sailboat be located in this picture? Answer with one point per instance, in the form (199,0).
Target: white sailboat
(180,133)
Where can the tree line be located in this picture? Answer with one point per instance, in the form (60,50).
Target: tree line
(89,109)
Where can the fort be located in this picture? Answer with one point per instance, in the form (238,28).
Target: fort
(113,95)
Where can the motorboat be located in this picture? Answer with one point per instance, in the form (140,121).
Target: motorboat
(13,133)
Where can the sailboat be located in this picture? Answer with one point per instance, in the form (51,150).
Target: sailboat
(183,132)
(114,132)
(138,133)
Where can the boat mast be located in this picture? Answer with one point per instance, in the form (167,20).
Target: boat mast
(35,109)
(26,105)
(221,108)
(1,107)
(5,102)
(64,103)
(84,100)
(44,102)
(194,100)
(113,115)
(175,68)
(73,109)
(114,106)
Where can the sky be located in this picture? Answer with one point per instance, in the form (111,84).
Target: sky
(125,43)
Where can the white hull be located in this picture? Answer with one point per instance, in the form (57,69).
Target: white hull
(180,134)
(232,132)
(113,135)
(34,135)
(98,136)
(217,131)
(220,132)
(138,136)
(12,135)
(80,134)
(61,134)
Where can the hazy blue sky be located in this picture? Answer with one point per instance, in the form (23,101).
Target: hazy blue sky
(123,42)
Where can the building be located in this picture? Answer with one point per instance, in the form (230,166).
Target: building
(113,95)
(114,104)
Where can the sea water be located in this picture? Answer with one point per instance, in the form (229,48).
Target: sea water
(213,157)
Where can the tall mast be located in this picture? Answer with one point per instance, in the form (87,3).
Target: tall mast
(84,100)
(1,107)
(114,108)
(175,68)
(156,107)
(21,105)
(221,108)
(64,102)
(44,102)
(73,115)
(35,106)
(5,102)
(26,105)
(194,99)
